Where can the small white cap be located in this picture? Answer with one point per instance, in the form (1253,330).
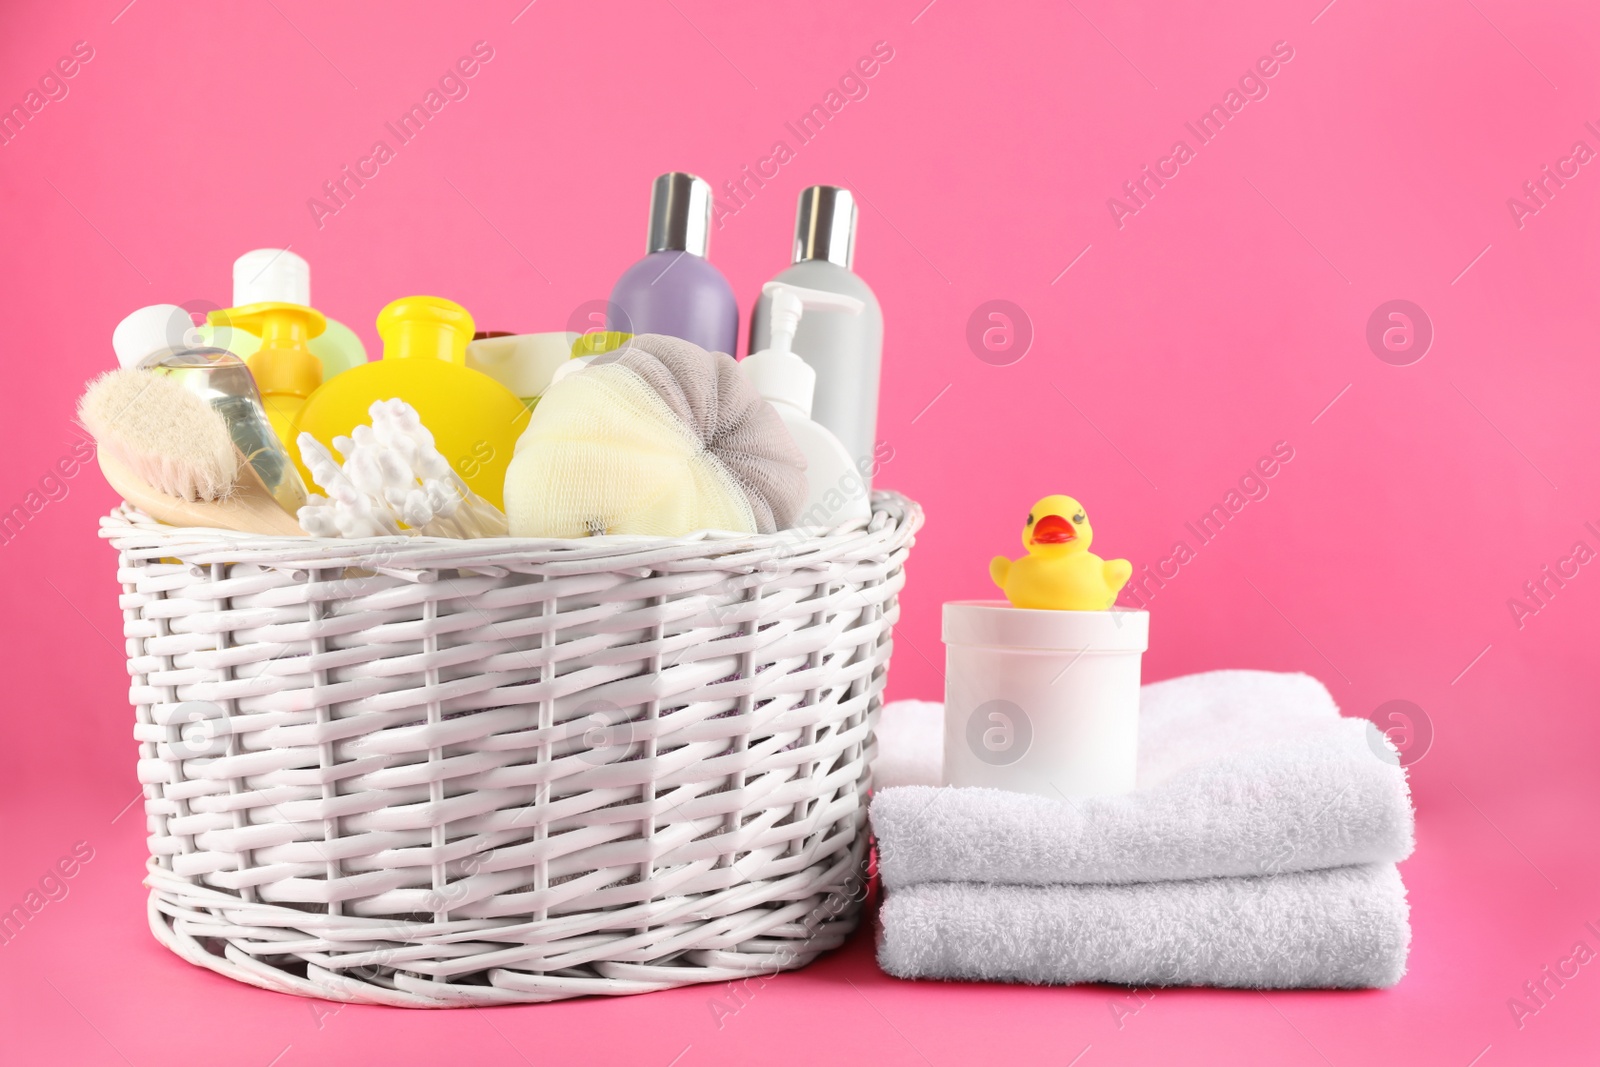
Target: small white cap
(274,275)
(157,329)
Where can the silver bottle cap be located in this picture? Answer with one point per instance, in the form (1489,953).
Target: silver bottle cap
(680,214)
(825,225)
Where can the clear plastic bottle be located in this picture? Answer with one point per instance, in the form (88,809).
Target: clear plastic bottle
(162,339)
(284,367)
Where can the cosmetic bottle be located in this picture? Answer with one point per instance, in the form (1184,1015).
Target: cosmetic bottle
(285,370)
(845,350)
(837,490)
(674,289)
(475,421)
(163,339)
(277,275)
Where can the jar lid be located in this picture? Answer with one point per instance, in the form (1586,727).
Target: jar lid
(996,624)
(523,363)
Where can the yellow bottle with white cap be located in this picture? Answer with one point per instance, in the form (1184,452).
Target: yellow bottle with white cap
(475,421)
(285,369)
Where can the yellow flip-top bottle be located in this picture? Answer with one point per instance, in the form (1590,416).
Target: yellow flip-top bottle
(475,421)
(285,369)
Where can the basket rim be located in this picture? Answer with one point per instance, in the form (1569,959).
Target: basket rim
(895,519)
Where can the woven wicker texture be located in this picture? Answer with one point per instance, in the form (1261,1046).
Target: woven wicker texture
(428,773)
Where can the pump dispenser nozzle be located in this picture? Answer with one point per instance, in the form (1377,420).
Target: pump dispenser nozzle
(836,486)
(284,362)
(278,276)
(780,376)
(284,366)
(790,301)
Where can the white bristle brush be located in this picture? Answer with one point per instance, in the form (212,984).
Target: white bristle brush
(168,452)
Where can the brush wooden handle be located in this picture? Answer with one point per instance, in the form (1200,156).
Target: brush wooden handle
(248,509)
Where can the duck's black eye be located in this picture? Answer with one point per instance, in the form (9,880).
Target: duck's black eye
(1030,518)
(1078,518)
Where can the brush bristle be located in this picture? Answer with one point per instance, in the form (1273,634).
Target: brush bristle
(165,434)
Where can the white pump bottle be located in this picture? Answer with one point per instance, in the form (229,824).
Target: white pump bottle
(838,491)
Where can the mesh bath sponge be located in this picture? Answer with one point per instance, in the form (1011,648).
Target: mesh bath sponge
(659,437)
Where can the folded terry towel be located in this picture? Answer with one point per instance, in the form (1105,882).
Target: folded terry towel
(1340,928)
(1240,773)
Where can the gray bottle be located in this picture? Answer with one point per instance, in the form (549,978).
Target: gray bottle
(845,350)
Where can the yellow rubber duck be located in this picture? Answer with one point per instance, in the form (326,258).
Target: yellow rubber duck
(1059,572)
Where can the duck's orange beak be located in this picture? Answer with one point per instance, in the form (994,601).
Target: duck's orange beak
(1053,530)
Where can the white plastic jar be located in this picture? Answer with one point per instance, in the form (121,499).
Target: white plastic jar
(1043,702)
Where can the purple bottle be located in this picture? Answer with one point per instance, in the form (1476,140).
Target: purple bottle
(674,289)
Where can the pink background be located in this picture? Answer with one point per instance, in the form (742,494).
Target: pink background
(1224,316)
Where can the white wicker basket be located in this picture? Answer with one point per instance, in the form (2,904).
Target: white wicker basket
(428,773)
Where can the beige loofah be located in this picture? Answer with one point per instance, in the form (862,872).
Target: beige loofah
(163,433)
(659,437)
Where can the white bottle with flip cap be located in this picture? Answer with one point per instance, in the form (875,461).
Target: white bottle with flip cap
(838,492)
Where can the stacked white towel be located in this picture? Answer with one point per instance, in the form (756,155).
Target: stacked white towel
(1258,850)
